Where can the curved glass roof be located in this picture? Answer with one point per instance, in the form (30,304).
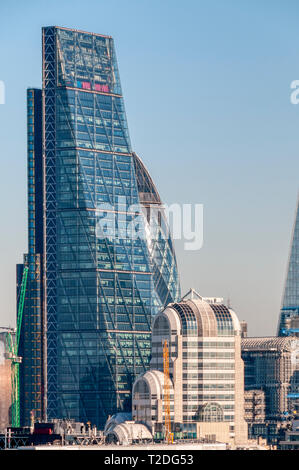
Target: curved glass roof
(147,190)
(224,319)
(270,343)
(188,318)
(159,241)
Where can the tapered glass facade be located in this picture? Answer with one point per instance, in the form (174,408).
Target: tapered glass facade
(290,305)
(109,262)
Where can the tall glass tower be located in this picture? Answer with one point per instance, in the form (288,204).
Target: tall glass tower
(290,304)
(108,259)
(31,340)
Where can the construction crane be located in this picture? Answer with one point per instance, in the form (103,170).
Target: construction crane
(166,400)
(12,348)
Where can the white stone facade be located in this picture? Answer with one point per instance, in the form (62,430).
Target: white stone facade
(206,372)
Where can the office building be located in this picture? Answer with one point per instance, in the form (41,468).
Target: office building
(101,282)
(31,339)
(206,374)
(272,365)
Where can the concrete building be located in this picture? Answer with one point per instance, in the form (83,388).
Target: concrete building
(5,383)
(271,365)
(206,373)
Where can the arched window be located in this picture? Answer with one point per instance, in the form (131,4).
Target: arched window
(188,318)
(141,390)
(224,320)
(211,413)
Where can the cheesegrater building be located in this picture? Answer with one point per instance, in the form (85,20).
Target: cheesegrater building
(101,259)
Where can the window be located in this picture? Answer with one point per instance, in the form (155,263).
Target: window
(211,413)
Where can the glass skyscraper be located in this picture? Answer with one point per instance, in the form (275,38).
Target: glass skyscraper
(31,339)
(290,304)
(107,259)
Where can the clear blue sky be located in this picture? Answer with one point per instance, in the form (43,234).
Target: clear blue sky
(207,93)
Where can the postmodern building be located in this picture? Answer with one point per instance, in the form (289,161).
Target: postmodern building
(106,259)
(272,365)
(289,315)
(206,373)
